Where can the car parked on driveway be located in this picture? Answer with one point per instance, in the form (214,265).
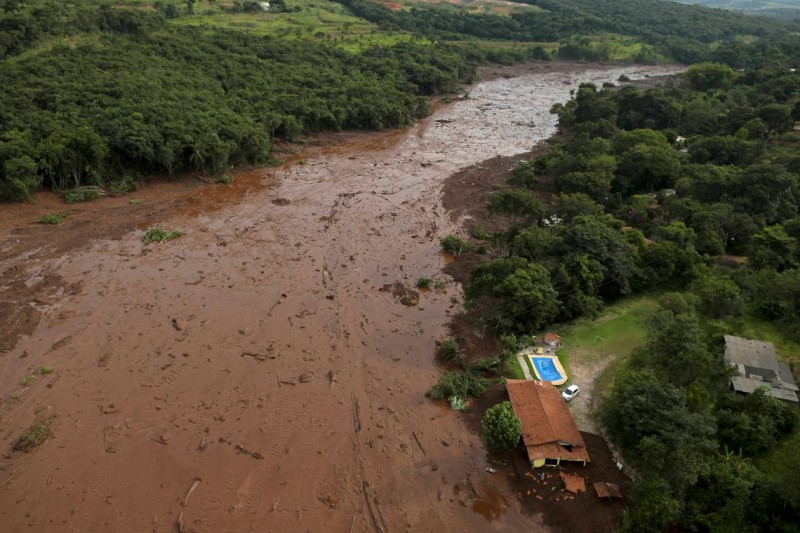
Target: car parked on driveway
(570,392)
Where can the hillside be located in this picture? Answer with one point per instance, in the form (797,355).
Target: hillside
(777,8)
(102,94)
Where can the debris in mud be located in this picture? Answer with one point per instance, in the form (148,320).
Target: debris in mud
(330,500)
(443,121)
(185,500)
(178,324)
(32,438)
(241,449)
(281,201)
(405,295)
(260,357)
(306,377)
(331,377)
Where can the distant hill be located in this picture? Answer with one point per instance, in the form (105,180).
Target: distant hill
(774,8)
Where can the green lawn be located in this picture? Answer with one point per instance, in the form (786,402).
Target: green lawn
(615,333)
(514,369)
(758,328)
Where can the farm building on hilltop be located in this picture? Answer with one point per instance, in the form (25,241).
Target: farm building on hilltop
(756,365)
(548,431)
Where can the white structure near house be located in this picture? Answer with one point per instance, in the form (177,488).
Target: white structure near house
(264,6)
(756,365)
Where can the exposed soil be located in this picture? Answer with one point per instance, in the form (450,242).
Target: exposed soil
(257,353)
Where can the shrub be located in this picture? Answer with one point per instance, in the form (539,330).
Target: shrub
(460,384)
(32,438)
(424,282)
(82,194)
(44,370)
(454,245)
(159,235)
(51,218)
(123,186)
(223,179)
(449,350)
(478,232)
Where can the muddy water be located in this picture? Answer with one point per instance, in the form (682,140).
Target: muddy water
(259,352)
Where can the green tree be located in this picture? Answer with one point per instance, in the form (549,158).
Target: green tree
(518,203)
(501,427)
(773,248)
(528,299)
(599,239)
(719,296)
(569,206)
(710,76)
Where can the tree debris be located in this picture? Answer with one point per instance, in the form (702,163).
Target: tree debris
(191,490)
(241,449)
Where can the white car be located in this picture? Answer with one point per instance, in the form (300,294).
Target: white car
(570,392)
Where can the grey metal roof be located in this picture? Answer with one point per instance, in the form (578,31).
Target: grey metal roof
(757,366)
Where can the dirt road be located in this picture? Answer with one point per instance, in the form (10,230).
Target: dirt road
(257,353)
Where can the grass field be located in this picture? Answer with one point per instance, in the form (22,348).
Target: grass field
(614,334)
(758,328)
(617,331)
(514,369)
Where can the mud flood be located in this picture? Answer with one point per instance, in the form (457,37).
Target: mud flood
(251,375)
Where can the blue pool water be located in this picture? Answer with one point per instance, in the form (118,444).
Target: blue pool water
(546,369)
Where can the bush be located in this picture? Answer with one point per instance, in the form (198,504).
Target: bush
(159,235)
(454,245)
(424,282)
(449,350)
(478,232)
(32,438)
(51,218)
(82,194)
(461,384)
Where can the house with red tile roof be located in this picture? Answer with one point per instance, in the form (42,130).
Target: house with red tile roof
(548,430)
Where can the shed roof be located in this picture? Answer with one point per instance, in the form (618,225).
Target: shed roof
(546,423)
(757,366)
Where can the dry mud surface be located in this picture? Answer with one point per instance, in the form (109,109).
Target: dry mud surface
(258,353)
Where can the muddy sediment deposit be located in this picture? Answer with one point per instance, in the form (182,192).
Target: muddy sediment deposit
(251,375)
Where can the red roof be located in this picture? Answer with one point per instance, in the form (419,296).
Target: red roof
(547,426)
(551,337)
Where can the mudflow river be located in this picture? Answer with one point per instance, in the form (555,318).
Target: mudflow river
(259,358)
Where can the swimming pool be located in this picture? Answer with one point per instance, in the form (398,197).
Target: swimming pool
(549,369)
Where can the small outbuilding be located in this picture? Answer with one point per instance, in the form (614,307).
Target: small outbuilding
(548,430)
(552,340)
(756,365)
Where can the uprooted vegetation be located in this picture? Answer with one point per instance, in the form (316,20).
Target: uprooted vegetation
(158,235)
(33,437)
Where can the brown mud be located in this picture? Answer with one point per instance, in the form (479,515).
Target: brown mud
(257,353)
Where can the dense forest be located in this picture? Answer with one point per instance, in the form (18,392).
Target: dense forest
(101,95)
(679,32)
(135,95)
(691,189)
